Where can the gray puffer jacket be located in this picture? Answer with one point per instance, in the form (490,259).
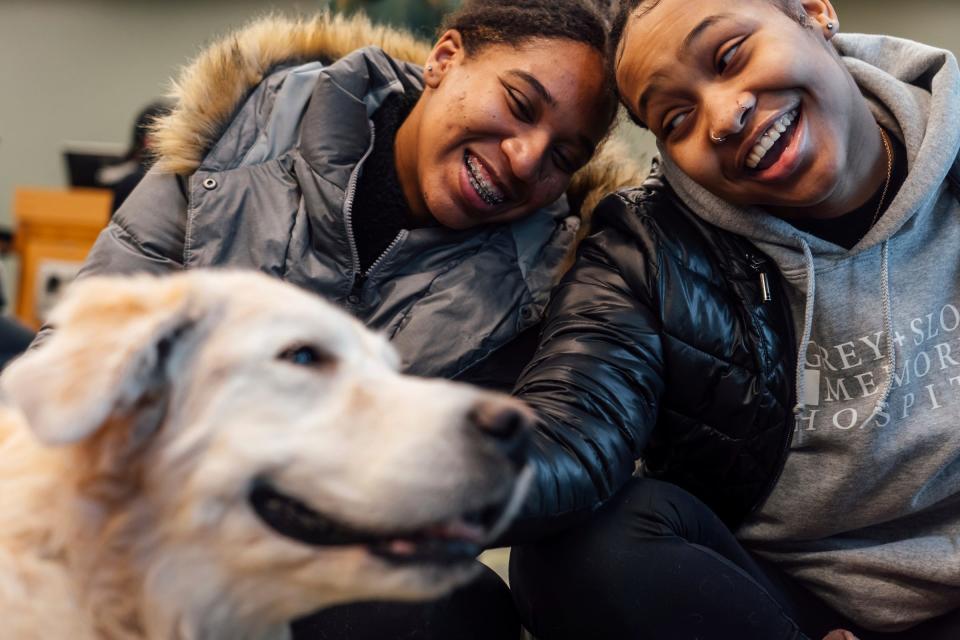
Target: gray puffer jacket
(273,189)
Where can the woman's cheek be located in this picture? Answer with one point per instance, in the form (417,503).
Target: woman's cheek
(699,165)
(552,189)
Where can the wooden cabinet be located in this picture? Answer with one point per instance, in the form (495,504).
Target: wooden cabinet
(55,229)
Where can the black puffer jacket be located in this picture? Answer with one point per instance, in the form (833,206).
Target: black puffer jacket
(659,345)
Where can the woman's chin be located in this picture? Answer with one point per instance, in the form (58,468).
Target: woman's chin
(458,213)
(452,217)
(805,193)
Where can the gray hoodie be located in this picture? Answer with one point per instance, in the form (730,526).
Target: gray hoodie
(867,510)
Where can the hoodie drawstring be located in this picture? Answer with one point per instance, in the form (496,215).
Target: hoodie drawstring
(886,310)
(801,381)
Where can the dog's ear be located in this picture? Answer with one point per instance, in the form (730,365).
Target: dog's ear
(105,359)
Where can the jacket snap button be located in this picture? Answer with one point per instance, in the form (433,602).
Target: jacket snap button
(353,299)
(526,313)
(209,184)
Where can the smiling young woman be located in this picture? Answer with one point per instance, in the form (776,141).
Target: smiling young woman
(769,325)
(427,200)
(499,133)
(724,82)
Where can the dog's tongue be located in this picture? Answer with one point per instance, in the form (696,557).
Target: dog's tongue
(401,547)
(428,550)
(453,530)
(458,530)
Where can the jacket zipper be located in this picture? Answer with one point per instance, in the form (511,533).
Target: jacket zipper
(791,423)
(348,211)
(757,264)
(376,263)
(360,277)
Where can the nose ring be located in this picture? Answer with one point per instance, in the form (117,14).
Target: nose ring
(741,109)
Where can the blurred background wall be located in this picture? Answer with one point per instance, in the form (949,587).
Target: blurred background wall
(81,69)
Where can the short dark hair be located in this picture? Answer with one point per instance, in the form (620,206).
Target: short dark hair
(485,22)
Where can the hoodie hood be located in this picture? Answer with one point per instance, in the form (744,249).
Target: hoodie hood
(867,494)
(914,91)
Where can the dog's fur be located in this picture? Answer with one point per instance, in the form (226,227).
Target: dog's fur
(132,437)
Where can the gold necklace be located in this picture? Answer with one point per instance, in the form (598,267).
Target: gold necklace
(886,184)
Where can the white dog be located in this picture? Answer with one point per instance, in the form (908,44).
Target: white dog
(209,455)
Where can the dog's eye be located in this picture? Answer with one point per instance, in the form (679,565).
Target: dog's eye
(306,356)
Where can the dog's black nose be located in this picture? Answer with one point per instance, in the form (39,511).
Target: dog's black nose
(507,423)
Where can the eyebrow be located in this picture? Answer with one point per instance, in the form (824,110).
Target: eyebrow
(691,38)
(586,143)
(535,84)
(650,89)
(689,41)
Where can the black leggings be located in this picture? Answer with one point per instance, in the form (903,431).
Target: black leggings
(657,564)
(481,610)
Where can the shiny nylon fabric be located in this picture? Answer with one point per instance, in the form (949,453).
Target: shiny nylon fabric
(658,346)
(272,194)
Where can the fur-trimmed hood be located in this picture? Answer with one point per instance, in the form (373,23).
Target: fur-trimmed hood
(274,119)
(212,88)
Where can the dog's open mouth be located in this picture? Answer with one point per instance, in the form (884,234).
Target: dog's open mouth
(459,539)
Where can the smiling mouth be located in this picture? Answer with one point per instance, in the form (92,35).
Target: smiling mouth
(774,141)
(453,541)
(481,180)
